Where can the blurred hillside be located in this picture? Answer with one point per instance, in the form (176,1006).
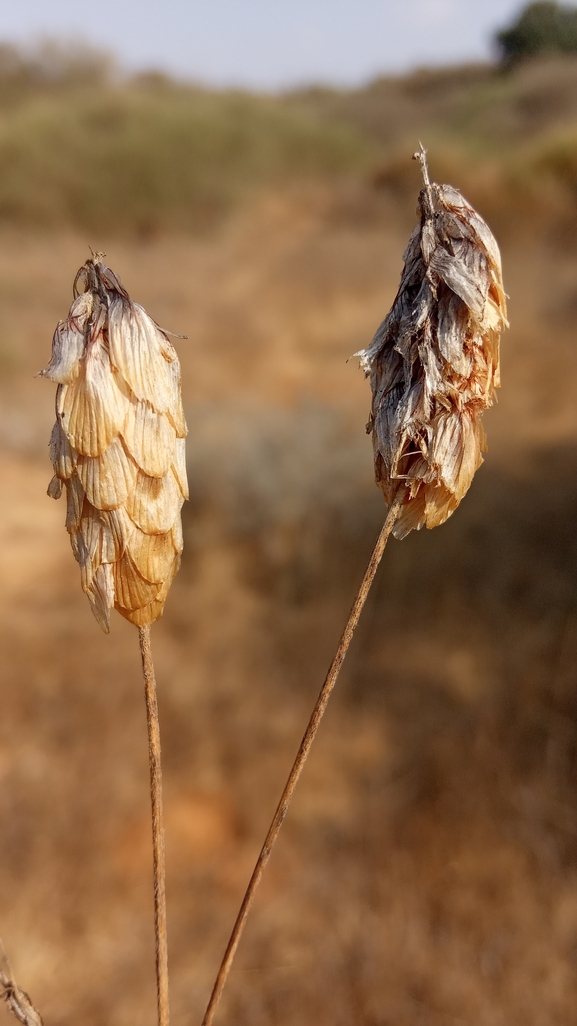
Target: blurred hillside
(84,147)
(427,872)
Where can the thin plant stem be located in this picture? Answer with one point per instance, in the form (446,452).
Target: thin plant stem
(421,156)
(157,826)
(300,760)
(16,999)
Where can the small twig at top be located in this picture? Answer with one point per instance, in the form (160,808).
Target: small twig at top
(421,156)
(157,826)
(17,999)
(303,751)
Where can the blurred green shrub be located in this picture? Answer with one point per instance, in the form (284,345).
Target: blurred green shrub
(82,150)
(542,27)
(83,147)
(50,67)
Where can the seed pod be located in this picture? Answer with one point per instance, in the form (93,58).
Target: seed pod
(118,447)
(434,360)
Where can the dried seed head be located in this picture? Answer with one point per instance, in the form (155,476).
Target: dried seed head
(118,447)
(434,361)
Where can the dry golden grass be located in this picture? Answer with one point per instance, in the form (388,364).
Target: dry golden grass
(426,873)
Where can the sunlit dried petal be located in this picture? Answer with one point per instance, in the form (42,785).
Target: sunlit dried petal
(136,351)
(131,589)
(69,342)
(175,411)
(101,595)
(434,361)
(150,438)
(108,479)
(152,553)
(54,489)
(179,466)
(153,610)
(177,536)
(146,614)
(62,456)
(74,502)
(121,528)
(95,406)
(154,503)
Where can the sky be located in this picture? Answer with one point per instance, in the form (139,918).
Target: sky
(268,44)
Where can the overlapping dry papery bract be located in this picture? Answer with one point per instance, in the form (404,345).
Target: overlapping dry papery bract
(434,361)
(118,448)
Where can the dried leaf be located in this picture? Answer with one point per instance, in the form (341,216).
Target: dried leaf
(434,360)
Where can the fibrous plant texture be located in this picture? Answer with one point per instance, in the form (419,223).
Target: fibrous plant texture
(434,361)
(118,447)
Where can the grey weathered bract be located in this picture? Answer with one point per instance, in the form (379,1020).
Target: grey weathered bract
(434,360)
(118,446)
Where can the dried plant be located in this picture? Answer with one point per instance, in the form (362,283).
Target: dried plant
(434,365)
(118,448)
(16,999)
(434,360)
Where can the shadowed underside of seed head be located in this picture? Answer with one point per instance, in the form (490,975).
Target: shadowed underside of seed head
(118,447)
(434,360)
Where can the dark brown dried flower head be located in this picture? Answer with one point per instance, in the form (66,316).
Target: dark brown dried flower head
(434,361)
(118,447)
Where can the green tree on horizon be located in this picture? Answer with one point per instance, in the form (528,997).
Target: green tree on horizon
(544,26)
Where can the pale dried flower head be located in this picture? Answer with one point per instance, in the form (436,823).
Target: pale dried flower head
(434,361)
(118,446)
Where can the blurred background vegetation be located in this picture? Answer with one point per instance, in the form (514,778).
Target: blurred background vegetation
(85,147)
(427,872)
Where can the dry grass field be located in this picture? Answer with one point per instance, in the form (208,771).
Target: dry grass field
(427,871)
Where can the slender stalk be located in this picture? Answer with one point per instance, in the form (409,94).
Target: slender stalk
(421,156)
(157,826)
(300,760)
(16,999)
